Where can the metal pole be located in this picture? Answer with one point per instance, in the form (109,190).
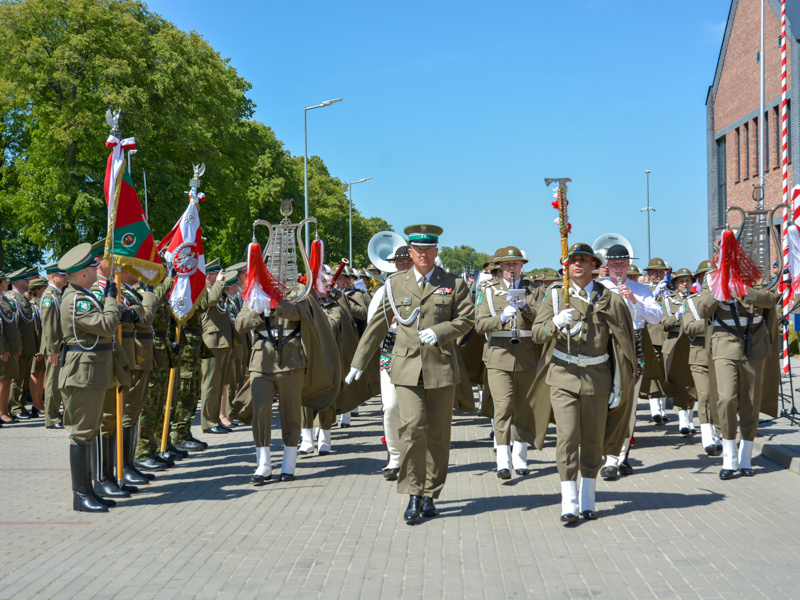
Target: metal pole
(648,208)
(305,166)
(350,190)
(761,118)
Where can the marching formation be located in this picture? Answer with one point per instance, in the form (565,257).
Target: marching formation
(119,349)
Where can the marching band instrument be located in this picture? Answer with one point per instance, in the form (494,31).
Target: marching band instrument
(382,245)
(339,269)
(754,234)
(605,241)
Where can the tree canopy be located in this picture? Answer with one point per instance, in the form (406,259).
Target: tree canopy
(65,63)
(462,258)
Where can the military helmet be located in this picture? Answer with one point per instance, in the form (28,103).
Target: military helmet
(703,267)
(585,250)
(634,270)
(507,254)
(682,273)
(657,264)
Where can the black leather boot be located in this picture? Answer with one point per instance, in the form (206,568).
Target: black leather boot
(105,485)
(130,473)
(82,498)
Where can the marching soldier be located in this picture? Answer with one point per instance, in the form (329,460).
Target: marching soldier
(51,341)
(579,378)
(505,317)
(217,343)
(654,384)
(26,326)
(87,369)
(433,309)
(10,343)
(234,374)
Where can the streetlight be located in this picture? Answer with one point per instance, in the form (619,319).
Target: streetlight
(350,191)
(648,208)
(305,156)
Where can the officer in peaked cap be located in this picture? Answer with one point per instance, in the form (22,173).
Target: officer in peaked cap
(9,349)
(87,369)
(26,328)
(433,309)
(511,358)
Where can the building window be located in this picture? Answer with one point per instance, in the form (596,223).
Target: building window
(778,155)
(746,150)
(738,154)
(766,142)
(722,193)
(756,167)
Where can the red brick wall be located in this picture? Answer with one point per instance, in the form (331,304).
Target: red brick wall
(738,96)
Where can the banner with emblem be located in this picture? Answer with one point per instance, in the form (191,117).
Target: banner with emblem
(134,248)
(184,246)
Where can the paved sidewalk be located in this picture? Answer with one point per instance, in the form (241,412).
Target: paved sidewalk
(671,530)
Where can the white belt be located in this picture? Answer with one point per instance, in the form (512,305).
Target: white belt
(580,360)
(522,333)
(742,321)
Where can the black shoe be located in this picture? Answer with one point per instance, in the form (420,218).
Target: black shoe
(747,472)
(287,477)
(569,519)
(656,418)
(725,474)
(58,426)
(345,425)
(237,422)
(711,449)
(23,416)
(83,501)
(504,474)
(718,446)
(609,472)
(625,468)
(190,446)
(589,515)
(202,443)
(684,431)
(522,472)
(108,488)
(390,474)
(261,479)
(217,429)
(412,514)
(162,459)
(664,419)
(182,453)
(323,452)
(35,413)
(82,498)
(428,508)
(232,426)
(151,464)
(134,477)
(170,455)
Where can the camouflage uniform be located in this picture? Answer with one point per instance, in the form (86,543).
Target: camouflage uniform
(189,388)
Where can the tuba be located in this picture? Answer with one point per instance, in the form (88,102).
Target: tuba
(604,242)
(382,245)
(754,234)
(280,255)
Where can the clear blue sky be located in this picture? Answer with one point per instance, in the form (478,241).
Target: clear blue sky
(459,110)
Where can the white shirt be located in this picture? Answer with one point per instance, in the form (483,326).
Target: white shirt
(646,309)
(418,277)
(575,290)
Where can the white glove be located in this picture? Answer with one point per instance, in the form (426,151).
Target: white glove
(614,401)
(508,312)
(521,303)
(427,336)
(353,375)
(564,318)
(662,285)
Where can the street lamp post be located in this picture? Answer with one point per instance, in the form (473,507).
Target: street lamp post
(350,191)
(305,156)
(648,208)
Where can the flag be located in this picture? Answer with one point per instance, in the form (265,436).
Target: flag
(184,246)
(129,238)
(261,290)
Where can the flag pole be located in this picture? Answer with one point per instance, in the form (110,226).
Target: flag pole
(168,408)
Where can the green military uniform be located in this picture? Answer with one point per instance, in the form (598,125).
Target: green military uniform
(10,342)
(51,342)
(26,326)
(188,392)
(235,373)
(654,380)
(510,355)
(217,341)
(433,310)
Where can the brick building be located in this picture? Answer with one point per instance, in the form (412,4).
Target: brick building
(733,106)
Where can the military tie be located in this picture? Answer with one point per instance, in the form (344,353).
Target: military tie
(583,294)
(422,286)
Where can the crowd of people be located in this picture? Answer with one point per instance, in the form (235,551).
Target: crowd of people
(579,351)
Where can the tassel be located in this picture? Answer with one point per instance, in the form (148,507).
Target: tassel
(793,258)
(734,271)
(315,261)
(262,290)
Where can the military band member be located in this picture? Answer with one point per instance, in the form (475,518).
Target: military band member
(51,342)
(744,347)
(644,311)
(87,370)
(217,343)
(10,343)
(401,258)
(26,326)
(433,309)
(580,378)
(653,388)
(510,354)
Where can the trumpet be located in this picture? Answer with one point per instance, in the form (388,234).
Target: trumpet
(340,269)
(513,296)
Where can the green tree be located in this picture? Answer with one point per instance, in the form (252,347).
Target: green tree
(460,258)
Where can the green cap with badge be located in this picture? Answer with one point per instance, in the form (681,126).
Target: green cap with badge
(24,273)
(213,266)
(581,249)
(99,248)
(656,264)
(38,282)
(238,267)
(682,273)
(423,235)
(634,270)
(52,268)
(78,258)
(703,267)
(507,254)
(231,277)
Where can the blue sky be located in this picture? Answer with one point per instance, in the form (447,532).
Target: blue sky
(459,110)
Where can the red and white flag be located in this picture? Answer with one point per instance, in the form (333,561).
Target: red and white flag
(184,246)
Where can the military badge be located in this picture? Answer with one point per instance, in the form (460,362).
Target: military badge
(97,294)
(47,303)
(84,306)
(442,291)
(480,298)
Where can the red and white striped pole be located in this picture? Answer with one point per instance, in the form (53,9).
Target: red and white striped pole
(785,174)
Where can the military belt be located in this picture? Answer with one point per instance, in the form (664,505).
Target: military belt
(742,321)
(580,359)
(97,348)
(521,333)
(128,334)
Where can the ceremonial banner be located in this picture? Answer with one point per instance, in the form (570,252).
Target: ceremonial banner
(185,251)
(129,239)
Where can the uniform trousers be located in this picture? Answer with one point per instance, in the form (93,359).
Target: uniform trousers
(739,389)
(213,371)
(391,420)
(109,418)
(289,387)
(52,395)
(700,377)
(510,389)
(133,400)
(580,429)
(83,413)
(18,399)
(426,416)
(325,418)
